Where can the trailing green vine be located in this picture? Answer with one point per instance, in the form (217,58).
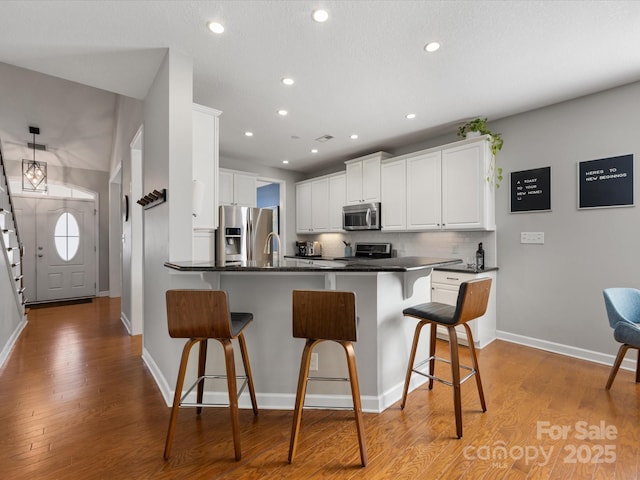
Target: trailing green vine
(480,125)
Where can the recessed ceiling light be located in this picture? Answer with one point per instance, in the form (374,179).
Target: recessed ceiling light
(288,81)
(282,113)
(248,134)
(432,47)
(353,137)
(315,150)
(320,15)
(411,115)
(285,161)
(215,27)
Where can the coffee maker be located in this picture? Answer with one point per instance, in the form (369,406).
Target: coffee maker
(308,249)
(302,249)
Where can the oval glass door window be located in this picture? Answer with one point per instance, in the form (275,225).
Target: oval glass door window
(67,236)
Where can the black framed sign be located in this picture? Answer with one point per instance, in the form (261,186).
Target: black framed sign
(606,182)
(531,190)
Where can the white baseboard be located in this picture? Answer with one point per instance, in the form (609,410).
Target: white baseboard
(283,401)
(370,404)
(126,322)
(104,293)
(568,350)
(13,338)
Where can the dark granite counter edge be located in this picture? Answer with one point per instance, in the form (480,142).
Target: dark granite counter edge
(462,268)
(347,268)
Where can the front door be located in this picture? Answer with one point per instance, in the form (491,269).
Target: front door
(65,249)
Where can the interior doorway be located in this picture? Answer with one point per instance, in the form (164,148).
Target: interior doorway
(271,193)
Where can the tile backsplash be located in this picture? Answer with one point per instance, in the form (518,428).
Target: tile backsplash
(429,244)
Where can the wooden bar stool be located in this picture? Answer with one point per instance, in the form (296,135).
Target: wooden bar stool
(200,315)
(320,315)
(473,297)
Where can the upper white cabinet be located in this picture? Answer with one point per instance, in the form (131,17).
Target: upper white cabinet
(237,188)
(468,200)
(394,216)
(204,130)
(319,203)
(424,191)
(363,178)
(312,206)
(439,189)
(337,200)
(205,165)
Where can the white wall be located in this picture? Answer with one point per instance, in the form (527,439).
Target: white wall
(553,292)
(128,121)
(167,227)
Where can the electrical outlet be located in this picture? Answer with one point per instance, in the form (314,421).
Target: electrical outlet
(532,237)
(314,362)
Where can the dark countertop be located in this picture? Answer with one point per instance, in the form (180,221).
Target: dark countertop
(462,268)
(398,264)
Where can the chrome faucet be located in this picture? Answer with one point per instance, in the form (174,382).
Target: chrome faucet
(267,247)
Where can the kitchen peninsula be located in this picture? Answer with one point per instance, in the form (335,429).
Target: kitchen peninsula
(383,289)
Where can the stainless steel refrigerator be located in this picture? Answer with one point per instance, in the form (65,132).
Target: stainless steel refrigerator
(242,235)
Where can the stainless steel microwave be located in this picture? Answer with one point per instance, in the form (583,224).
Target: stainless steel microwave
(363,216)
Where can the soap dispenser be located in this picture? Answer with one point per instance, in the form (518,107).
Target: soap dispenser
(480,257)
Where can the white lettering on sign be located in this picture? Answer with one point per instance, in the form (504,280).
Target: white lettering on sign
(530,180)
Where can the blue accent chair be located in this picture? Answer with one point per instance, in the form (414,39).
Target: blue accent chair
(623,311)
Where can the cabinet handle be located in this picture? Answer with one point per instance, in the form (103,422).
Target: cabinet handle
(452,278)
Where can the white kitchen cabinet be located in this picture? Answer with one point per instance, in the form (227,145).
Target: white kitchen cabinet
(204,130)
(468,199)
(303,207)
(363,178)
(424,192)
(312,206)
(337,200)
(320,205)
(394,179)
(205,164)
(444,289)
(445,188)
(237,188)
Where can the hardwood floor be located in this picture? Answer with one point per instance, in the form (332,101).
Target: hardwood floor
(77,402)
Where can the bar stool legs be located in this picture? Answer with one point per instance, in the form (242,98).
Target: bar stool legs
(455,368)
(231,387)
(300,394)
(302,389)
(355,393)
(176,396)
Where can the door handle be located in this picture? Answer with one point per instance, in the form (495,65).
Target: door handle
(40,255)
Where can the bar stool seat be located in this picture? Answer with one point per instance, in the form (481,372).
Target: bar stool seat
(200,315)
(320,315)
(472,301)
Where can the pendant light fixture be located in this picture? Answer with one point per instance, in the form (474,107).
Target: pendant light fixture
(34,174)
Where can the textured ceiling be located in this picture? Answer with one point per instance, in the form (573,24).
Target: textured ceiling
(360,72)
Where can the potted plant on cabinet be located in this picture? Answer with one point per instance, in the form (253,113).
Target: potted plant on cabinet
(478,126)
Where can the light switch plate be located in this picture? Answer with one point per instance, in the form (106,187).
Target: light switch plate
(532,237)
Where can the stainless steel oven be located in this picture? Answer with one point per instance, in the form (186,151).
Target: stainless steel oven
(363,216)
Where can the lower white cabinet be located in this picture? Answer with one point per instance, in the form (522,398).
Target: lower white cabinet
(444,289)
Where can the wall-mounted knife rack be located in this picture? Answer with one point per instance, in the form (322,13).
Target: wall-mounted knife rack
(153,199)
